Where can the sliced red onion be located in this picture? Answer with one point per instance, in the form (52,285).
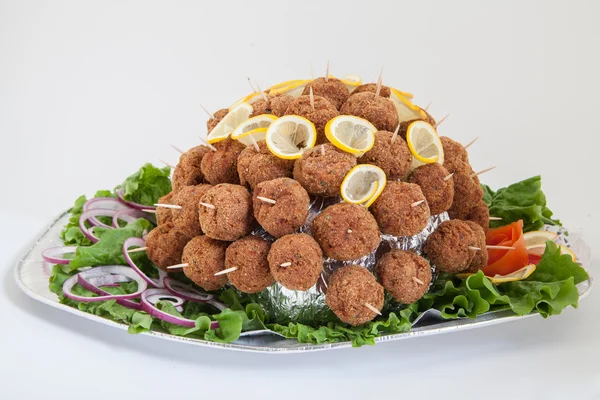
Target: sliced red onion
(134,241)
(86,215)
(130,215)
(132,204)
(82,277)
(155,312)
(104,203)
(217,304)
(186,291)
(52,254)
(106,280)
(94,280)
(162,294)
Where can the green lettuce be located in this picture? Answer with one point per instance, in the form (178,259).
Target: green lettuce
(522,200)
(549,290)
(147,185)
(71,234)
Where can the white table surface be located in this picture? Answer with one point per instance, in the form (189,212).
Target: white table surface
(89,91)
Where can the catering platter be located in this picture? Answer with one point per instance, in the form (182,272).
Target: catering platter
(31,275)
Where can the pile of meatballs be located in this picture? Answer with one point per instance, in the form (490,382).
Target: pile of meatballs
(221,192)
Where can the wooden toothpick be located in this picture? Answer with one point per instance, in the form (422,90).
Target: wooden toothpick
(251,85)
(370,307)
(173,206)
(137,249)
(417,280)
(470,143)
(176,266)
(210,146)
(416,203)
(395,135)
(149,210)
(449,176)
(177,149)
(327,72)
(207,205)
(264,96)
(312,99)
(440,121)
(495,218)
(427,106)
(473,175)
(285,264)
(266,200)
(500,247)
(167,164)
(226,271)
(254,143)
(379,82)
(208,112)
(322,149)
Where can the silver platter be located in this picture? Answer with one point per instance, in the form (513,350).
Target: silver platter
(31,275)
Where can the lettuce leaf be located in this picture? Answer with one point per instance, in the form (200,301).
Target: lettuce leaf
(522,200)
(71,234)
(108,249)
(147,185)
(549,290)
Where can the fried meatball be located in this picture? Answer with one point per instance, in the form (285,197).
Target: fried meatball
(289,212)
(334,90)
(467,194)
(454,150)
(393,158)
(163,214)
(394,212)
(231,218)
(448,246)
(454,165)
(480,214)
(189,171)
(217,117)
(205,257)
(438,191)
(350,288)
(186,218)
(381,112)
(372,88)
(346,231)
(276,105)
(220,166)
(296,261)
(254,167)
(322,175)
(481,256)
(249,256)
(165,244)
(404,274)
(322,113)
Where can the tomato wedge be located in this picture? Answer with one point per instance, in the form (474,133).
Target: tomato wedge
(504,262)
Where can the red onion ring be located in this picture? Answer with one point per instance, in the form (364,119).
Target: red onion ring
(86,215)
(130,215)
(186,291)
(161,294)
(93,285)
(131,204)
(156,313)
(81,278)
(52,254)
(134,241)
(104,203)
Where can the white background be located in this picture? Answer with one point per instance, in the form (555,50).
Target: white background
(89,91)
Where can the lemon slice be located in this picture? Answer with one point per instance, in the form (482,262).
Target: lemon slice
(518,275)
(255,126)
(289,136)
(352,81)
(250,99)
(538,237)
(294,89)
(424,144)
(406,95)
(538,250)
(363,184)
(283,84)
(229,122)
(352,134)
(407,111)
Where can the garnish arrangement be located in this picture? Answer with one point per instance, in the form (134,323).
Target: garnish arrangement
(324,210)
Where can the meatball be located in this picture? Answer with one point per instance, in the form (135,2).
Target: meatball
(481,256)
(165,244)
(254,167)
(205,257)
(189,171)
(220,166)
(296,261)
(163,214)
(394,209)
(394,158)
(334,90)
(289,212)
(276,105)
(467,194)
(231,218)
(381,112)
(448,246)
(438,191)
(372,88)
(322,113)
(404,274)
(346,231)
(249,256)
(217,117)
(454,150)
(186,218)
(322,174)
(480,214)
(350,289)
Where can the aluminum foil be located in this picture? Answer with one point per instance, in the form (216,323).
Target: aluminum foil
(308,307)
